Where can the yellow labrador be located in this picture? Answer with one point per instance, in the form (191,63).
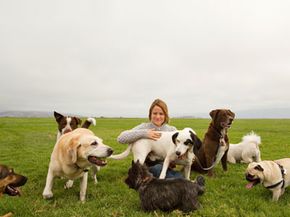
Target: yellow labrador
(71,157)
(273,175)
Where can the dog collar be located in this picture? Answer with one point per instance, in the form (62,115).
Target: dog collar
(283,173)
(79,168)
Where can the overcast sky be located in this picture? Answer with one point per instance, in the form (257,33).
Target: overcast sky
(113,58)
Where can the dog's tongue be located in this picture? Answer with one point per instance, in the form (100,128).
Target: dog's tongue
(250,185)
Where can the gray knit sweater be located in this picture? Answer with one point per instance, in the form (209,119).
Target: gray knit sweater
(140,132)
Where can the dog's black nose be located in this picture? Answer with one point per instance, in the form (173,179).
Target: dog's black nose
(110,151)
(177,153)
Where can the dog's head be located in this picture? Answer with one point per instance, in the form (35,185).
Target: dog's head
(66,123)
(87,148)
(222,118)
(185,140)
(138,174)
(255,174)
(10,181)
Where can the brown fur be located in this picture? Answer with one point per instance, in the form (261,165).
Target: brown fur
(9,180)
(217,130)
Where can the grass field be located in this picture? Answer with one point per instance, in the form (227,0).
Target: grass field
(26,145)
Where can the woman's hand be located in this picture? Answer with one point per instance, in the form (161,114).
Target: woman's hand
(153,134)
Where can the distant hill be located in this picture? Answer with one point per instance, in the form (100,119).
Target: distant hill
(243,114)
(40,114)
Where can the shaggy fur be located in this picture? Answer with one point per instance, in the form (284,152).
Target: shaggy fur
(164,194)
(215,144)
(246,151)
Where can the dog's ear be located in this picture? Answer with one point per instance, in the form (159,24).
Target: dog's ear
(213,113)
(197,142)
(4,171)
(79,121)
(259,168)
(132,163)
(73,150)
(57,116)
(174,136)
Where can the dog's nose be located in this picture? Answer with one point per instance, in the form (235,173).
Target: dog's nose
(110,151)
(177,153)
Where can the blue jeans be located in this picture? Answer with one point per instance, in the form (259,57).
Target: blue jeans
(156,170)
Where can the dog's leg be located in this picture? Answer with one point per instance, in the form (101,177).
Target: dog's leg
(276,194)
(95,170)
(47,192)
(224,161)
(68,184)
(83,187)
(164,168)
(187,167)
(231,160)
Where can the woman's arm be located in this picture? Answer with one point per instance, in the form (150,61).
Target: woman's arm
(131,136)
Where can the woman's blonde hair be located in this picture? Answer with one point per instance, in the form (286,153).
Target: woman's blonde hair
(160,103)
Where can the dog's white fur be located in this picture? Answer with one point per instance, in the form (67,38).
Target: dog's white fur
(271,175)
(163,148)
(70,156)
(246,151)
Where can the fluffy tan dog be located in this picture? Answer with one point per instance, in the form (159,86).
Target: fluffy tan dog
(72,155)
(273,175)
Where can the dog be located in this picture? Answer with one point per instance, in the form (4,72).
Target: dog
(10,182)
(164,194)
(215,144)
(178,146)
(246,151)
(71,157)
(69,123)
(273,175)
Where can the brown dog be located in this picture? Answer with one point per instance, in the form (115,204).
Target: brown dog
(215,144)
(9,183)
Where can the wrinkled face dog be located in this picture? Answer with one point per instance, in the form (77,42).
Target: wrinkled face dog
(72,155)
(164,194)
(222,118)
(271,174)
(10,181)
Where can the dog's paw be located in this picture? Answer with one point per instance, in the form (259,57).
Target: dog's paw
(68,184)
(47,195)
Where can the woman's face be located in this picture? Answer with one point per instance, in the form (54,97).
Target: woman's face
(157,116)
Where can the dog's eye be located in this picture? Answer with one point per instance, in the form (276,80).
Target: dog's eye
(94,143)
(177,141)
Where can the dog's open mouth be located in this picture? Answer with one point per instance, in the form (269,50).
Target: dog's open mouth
(98,161)
(252,181)
(12,190)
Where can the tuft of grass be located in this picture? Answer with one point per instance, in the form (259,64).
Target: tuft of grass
(26,145)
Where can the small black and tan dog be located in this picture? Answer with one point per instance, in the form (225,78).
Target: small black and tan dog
(164,194)
(10,183)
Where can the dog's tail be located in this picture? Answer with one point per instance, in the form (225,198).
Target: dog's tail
(252,137)
(88,123)
(123,154)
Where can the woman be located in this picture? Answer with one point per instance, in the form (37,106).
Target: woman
(158,117)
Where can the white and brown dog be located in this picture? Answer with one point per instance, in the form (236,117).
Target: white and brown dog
(246,151)
(69,123)
(71,157)
(178,146)
(273,175)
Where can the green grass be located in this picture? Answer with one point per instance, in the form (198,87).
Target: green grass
(26,145)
